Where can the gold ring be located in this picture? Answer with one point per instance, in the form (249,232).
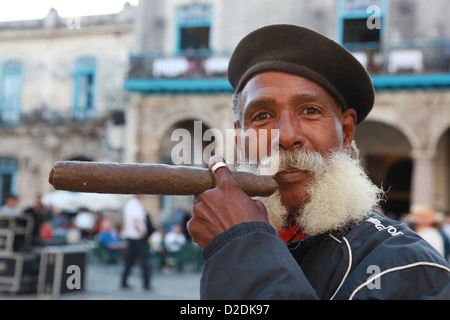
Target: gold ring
(218,165)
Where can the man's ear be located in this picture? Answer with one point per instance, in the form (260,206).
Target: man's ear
(348,121)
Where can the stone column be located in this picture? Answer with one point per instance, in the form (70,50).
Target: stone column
(131,146)
(422,180)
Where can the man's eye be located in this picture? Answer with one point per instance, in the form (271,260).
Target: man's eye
(261,116)
(310,110)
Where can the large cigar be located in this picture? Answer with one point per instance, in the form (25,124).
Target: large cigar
(105,177)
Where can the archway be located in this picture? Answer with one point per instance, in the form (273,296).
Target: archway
(385,154)
(442,172)
(182,144)
(398,180)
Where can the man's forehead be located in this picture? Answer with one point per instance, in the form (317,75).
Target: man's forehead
(264,87)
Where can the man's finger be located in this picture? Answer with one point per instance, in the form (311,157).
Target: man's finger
(220,170)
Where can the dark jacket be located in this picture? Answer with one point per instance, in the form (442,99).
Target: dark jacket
(380,258)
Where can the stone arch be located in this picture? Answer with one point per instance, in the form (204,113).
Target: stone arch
(177,117)
(172,207)
(162,130)
(437,134)
(386,156)
(441,161)
(381,136)
(389,118)
(184,143)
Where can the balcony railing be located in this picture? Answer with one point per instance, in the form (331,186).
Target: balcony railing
(400,65)
(190,72)
(418,56)
(195,64)
(406,64)
(49,116)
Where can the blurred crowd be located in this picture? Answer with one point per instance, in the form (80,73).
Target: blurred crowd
(54,228)
(169,245)
(432,225)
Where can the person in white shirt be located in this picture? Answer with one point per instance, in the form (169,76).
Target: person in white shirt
(10,208)
(174,241)
(425,217)
(135,233)
(85,222)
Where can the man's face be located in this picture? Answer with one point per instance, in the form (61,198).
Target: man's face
(306,116)
(12,202)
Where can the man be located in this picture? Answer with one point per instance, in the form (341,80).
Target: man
(135,232)
(314,92)
(10,208)
(174,242)
(41,215)
(425,219)
(85,222)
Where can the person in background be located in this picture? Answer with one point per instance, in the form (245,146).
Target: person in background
(446,224)
(108,237)
(85,222)
(158,248)
(424,218)
(174,242)
(445,238)
(39,213)
(10,208)
(135,233)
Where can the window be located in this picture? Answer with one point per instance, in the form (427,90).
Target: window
(356,31)
(11,92)
(84,88)
(360,23)
(194,38)
(8,177)
(194,27)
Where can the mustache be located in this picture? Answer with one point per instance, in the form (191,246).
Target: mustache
(287,160)
(300,159)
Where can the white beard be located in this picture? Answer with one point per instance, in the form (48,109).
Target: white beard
(340,191)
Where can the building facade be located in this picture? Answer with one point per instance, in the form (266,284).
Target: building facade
(61,95)
(178,78)
(124,87)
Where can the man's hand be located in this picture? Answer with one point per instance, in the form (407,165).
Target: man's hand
(218,209)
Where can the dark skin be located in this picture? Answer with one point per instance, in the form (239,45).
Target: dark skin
(306,117)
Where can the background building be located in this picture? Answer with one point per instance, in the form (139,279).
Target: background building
(178,76)
(61,95)
(115,87)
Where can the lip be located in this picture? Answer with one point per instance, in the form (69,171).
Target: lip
(290,176)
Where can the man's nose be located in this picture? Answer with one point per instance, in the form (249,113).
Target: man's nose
(290,133)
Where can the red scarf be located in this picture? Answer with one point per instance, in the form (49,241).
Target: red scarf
(287,234)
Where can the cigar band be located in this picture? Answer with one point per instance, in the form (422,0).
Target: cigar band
(218,165)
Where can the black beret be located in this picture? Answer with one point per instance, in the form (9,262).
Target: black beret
(307,53)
